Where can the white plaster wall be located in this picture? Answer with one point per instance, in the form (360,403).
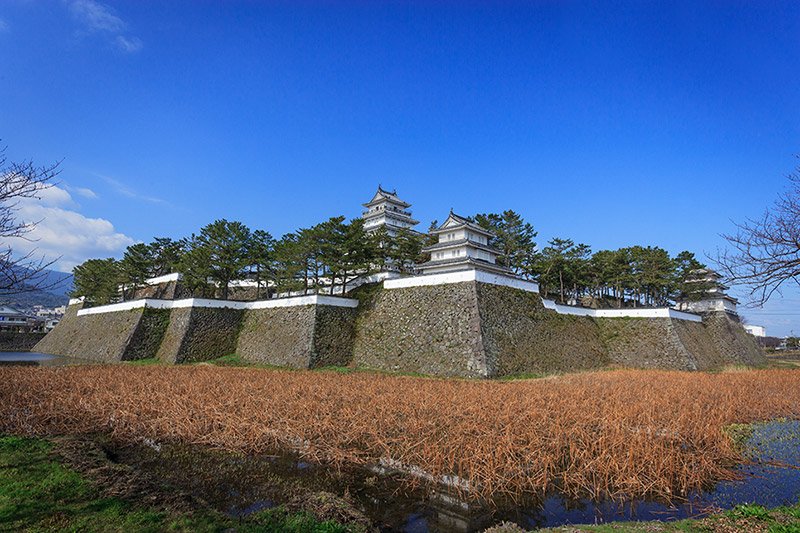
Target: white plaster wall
(460,277)
(313,299)
(166,278)
(474,237)
(706,306)
(756,331)
(660,312)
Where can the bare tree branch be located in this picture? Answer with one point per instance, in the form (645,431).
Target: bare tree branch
(765,253)
(20,181)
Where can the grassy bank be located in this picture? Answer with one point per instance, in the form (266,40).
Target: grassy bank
(39,493)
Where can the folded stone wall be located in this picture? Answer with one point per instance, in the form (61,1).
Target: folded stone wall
(334,334)
(520,336)
(720,340)
(646,343)
(169,290)
(147,336)
(425,329)
(305,336)
(464,329)
(200,334)
(279,336)
(99,337)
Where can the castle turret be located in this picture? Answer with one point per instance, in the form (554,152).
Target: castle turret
(704,293)
(462,245)
(387,210)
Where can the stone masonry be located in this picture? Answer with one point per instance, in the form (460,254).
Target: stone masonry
(307,336)
(467,329)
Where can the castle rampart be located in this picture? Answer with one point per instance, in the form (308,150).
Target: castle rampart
(469,323)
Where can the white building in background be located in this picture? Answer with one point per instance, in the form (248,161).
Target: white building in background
(709,296)
(755,331)
(462,245)
(387,210)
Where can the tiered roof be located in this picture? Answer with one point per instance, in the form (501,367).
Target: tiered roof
(382,195)
(387,204)
(456,222)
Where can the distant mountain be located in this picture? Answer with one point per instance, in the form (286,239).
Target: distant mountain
(57,283)
(56,293)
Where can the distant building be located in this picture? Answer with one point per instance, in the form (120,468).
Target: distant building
(708,293)
(756,331)
(13,320)
(462,245)
(387,210)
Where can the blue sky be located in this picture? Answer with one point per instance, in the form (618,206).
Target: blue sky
(611,123)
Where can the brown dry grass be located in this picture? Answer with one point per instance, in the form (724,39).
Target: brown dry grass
(618,433)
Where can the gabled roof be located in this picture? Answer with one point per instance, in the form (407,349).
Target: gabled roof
(382,195)
(455,221)
(459,244)
(467,261)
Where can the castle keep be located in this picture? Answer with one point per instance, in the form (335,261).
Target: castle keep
(462,315)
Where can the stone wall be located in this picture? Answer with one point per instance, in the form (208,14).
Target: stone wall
(148,335)
(100,337)
(176,331)
(11,341)
(428,329)
(718,341)
(520,336)
(279,336)
(307,336)
(199,334)
(334,333)
(171,290)
(466,329)
(645,343)
(472,329)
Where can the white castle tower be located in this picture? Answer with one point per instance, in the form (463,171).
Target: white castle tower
(462,245)
(387,210)
(709,294)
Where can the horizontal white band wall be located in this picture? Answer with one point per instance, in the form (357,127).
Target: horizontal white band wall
(461,277)
(660,312)
(516,283)
(166,278)
(314,299)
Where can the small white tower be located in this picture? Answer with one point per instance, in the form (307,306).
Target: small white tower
(462,245)
(706,293)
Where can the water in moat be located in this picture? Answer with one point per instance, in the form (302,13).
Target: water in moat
(37,359)
(240,485)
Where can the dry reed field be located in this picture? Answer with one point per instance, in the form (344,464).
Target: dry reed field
(606,434)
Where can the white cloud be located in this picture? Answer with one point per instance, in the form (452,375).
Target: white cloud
(128,44)
(65,235)
(96,17)
(86,192)
(54,197)
(124,190)
(3,26)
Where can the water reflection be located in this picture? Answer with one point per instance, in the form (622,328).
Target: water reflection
(240,485)
(37,359)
